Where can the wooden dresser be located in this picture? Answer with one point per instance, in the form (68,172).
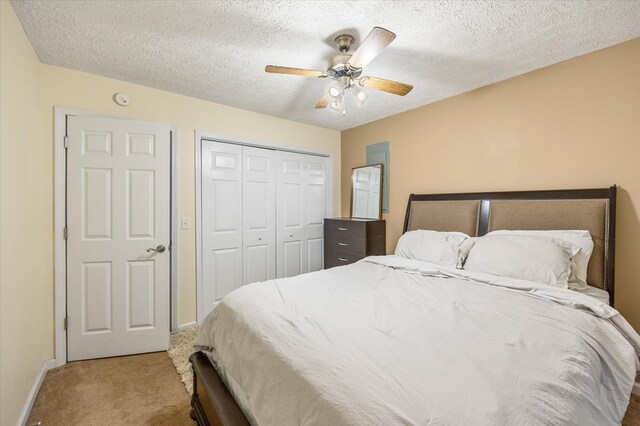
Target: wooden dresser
(349,240)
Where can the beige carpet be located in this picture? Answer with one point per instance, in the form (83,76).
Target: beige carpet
(180,349)
(130,390)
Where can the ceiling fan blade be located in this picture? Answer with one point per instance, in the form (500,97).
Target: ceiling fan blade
(376,41)
(322,103)
(388,86)
(294,71)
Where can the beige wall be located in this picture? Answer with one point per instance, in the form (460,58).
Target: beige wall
(65,87)
(30,90)
(26,221)
(572,125)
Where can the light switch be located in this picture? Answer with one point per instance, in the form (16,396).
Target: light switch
(185,223)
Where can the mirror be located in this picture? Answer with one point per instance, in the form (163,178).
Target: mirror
(366,192)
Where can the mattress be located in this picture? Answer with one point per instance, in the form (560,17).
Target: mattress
(392,341)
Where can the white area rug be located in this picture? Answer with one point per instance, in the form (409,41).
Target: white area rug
(180,349)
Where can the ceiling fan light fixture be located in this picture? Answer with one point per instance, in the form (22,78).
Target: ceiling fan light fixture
(346,69)
(359,93)
(335,104)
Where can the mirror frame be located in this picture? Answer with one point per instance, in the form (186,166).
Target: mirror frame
(353,174)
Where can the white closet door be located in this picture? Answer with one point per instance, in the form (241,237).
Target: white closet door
(291,214)
(262,216)
(221,221)
(259,217)
(316,209)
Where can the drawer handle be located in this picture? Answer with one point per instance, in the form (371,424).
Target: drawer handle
(342,259)
(343,244)
(343,229)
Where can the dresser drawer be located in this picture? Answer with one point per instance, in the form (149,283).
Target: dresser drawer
(344,229)
(336,259)
(346,245)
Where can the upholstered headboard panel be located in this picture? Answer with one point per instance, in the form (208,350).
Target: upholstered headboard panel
(478,213)
(461,216)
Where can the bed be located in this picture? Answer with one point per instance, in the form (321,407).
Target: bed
(389,340)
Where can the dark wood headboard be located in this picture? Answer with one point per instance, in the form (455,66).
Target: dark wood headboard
(477,213)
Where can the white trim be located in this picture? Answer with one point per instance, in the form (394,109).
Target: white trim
(636,389)
(218,137)
(202,135)
(60,256)
(174,227)
(197,144)
(59,252)
(31,398)
(186,326)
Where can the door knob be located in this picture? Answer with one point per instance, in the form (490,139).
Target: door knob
(159,249)
(259,238)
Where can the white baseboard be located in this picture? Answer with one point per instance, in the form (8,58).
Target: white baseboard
(26,410)
(636,389)
(185,326)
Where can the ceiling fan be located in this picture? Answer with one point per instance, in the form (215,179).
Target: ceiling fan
(346,69)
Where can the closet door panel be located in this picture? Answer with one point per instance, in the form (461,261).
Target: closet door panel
(316,209)
(222,272)
(259,214)
(315,253)
(259,264)
(291,214)
(292,258)
(221,220)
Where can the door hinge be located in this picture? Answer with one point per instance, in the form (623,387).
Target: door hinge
(65,233)
(66,323)
(66,141)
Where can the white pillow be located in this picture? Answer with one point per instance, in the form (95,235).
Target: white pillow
(532,258)
(581,239)
(443,248)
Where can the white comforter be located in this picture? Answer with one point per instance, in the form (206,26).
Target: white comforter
(389,341)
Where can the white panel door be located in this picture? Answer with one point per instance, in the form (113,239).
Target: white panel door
(118,206)
(259,214)
(291,214)
(221,221)
(316,210)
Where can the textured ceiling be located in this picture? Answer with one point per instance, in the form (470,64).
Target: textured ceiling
(217,50)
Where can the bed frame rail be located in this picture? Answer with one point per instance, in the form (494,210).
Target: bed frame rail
(212,403)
